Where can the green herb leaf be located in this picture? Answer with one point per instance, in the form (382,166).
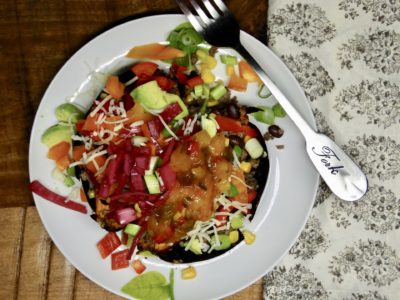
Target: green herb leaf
(151,285)
(263,92)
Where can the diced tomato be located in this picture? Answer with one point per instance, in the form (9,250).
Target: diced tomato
(167,153)
(251,195)
(144,68)
(223,218)
(63,162)
(124,238)
(164,83)
(58,150)
(180,73)
(119,260)
(192,82)
(237,83)
(108,244)
(138,266)
(39,189)
(247,72)
(249,131)
(114,87)
(128,101)
(90,123)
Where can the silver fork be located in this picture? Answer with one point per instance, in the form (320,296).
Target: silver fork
(219,28)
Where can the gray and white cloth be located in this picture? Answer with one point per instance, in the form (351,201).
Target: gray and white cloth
(346,56)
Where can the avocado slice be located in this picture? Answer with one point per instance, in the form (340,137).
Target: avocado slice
(152,97)
(68,112)
(56,134)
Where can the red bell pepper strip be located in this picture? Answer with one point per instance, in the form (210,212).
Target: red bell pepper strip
(167,153)
(168,176)
(170,112)
(40,190)
(135,241)
(119,260)
(136,183)
(108,244)
(144,68)
(180,73)
(228,124)
(192,82)
(155,126)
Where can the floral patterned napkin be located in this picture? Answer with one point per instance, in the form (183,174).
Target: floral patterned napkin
(346,56)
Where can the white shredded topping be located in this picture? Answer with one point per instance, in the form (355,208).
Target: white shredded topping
(136,124)
(239,179)
(190,125)
(235,159)
(129,82)
(103,168)
(116,122)
(100,105)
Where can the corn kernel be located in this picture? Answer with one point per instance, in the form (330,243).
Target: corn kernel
(201,54)
(245,166)
(207,76)
(226,142)
(211,62)
(230,70)
(137,208)
(212,103)
(234,236)
(246,138)
(249,237)
(188,273)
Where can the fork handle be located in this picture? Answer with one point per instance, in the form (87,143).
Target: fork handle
(340,173)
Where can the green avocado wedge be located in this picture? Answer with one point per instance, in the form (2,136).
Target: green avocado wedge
(56,134)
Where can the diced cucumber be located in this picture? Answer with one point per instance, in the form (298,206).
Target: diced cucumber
(237,221)
(217,92)
(228,59)
(254,148)
(206,90)
(198,90)
(71,172)
(152,165)
(224,241)
(152,184)
(266,115)
(139,140)
(132,229)
(209,126)
(195,247)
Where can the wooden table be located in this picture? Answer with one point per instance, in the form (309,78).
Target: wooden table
(36,38)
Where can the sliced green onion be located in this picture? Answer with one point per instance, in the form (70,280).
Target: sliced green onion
(224,242)
(71,172)
(183,25)
(217,92)
(263,92)
(198,90)
(132,229)
(266,115)
(152,184)
(228,59)
(278,111)
(254,148)
(237,150)
(237,221)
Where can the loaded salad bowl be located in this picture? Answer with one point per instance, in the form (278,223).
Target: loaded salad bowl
(165,157)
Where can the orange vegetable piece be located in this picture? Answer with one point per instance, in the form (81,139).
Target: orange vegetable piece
(247,72)
(138,266)
(82,195)
(77,154)
(63,162)
(237,83)
(58,150)
(90,123)
(114,87)
(155,51)
(137,113)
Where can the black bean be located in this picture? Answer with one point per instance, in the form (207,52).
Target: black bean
(233,111)
(236,140)
(275,131)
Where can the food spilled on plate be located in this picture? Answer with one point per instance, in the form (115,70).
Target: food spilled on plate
(165,157)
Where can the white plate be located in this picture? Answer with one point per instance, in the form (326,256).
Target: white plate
(282,212)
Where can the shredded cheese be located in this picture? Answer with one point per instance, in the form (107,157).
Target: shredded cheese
(100,105)
(129,82)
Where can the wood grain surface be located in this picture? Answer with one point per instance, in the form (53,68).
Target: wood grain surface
(36,39)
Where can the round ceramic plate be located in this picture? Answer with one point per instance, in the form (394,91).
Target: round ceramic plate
(284,206)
